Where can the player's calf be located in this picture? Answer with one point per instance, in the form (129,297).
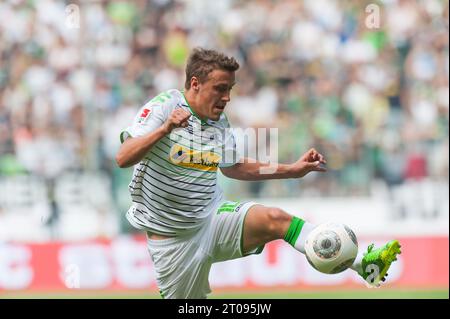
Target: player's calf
(264,224)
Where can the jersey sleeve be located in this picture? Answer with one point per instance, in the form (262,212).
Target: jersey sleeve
(231,155)
(150,117)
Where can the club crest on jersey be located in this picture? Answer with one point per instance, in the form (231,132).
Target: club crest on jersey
(144,115)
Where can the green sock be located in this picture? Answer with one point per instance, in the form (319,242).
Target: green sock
(298,232)
(294,230)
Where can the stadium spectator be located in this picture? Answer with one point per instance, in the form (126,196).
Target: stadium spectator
(363,94)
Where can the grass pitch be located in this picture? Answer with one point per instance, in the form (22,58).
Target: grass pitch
(328,294)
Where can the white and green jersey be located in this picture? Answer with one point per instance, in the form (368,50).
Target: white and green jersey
(175,185)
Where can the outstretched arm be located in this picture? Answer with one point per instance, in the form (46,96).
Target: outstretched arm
(249,170)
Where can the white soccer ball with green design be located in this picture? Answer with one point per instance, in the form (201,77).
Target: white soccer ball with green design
(331,248)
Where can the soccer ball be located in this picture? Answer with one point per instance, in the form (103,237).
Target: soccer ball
(331,248)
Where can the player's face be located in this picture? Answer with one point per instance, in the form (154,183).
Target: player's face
(214,94)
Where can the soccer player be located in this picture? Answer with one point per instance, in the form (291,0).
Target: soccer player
(177,142)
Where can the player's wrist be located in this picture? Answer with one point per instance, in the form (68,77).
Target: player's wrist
(165,129)
(290,171)
(294,171)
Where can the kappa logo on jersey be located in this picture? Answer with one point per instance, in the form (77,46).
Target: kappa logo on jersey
(144,115)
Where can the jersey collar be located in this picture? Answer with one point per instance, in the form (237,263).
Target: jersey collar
(192,111)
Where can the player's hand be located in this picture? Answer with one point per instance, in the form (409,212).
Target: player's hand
(311,161)
(178,118)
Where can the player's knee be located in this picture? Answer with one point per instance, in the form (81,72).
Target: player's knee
(277,219)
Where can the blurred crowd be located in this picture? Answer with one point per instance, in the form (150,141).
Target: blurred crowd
(370,92)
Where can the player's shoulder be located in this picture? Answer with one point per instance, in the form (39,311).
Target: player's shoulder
(222,122)
(168,99)
(160,106)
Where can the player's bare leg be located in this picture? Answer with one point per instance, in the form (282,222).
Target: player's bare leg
(264,224)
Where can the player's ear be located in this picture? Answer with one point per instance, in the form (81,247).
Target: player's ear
(195,83)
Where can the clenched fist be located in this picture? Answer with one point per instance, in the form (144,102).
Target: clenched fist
(178,118)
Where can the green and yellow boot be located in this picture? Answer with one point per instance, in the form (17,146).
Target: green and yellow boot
(375,263)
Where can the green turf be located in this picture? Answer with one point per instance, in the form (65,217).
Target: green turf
(332,294)
(345,294)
